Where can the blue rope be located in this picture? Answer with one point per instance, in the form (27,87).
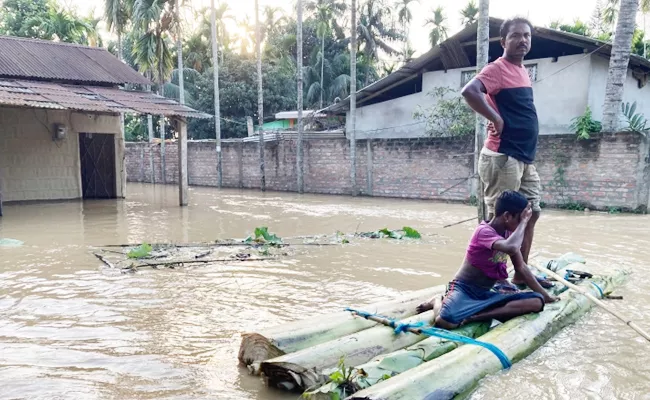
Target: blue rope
(441,333)
(602,295)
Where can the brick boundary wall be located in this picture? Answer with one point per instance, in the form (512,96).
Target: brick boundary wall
(609,170)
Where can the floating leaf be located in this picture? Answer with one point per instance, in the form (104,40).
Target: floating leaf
(337,377)
(411,233)
(142,251)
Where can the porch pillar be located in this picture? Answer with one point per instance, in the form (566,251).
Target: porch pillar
(182,162)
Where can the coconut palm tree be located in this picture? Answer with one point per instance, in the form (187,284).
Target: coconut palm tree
(116,13)
(439,27)
(618,64)
(325,12)
(260,93)
(196,52)
(375,30)
(482,51)
(610,13)
(353,98)
(299,75)
(247,36)
(222,15)
(469,14)
(404,17)
(274,20)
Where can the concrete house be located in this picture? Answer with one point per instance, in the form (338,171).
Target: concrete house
(568,72)
(60,130)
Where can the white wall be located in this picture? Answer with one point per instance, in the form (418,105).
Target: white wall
(34,167)
(599,69)
(560,95)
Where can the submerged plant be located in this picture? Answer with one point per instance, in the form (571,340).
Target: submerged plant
(405,232)
(262,235)
(142,251)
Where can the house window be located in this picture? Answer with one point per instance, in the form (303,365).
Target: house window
(532,72)
(466,76)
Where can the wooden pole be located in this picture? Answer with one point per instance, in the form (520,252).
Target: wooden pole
(599,303)
(182,162)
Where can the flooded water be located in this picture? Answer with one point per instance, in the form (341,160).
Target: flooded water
(73,329)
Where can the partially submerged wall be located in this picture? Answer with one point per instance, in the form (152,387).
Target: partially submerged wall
(35,167)
(606,171)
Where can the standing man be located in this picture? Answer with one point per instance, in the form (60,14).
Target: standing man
(502,92)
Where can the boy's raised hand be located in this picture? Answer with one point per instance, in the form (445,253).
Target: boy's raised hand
(527,213)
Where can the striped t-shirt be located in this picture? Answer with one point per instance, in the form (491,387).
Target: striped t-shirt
(510,93)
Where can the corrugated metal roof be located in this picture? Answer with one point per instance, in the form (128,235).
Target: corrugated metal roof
(412,69)
(91,99)
(64,62)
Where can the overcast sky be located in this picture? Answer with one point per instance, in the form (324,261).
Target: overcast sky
(539,12)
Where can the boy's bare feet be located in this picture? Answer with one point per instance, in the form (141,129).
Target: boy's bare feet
(429,305)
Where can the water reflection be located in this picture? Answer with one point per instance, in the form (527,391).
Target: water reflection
(70,328)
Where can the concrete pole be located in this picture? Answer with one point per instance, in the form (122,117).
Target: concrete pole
(182,162)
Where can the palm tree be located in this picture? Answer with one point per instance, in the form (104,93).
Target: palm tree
(299,75)
(610,13)
(196,52)
(482,51)
(274,20)
(618,64)
(116,13)
(404,17)
(439,31)
(326,11)
(469,13)
(260,92)
(222,14)
(247,37)
(66,27)
(214,39)
(353,99)
(375,30)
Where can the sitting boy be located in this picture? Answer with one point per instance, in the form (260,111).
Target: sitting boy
(471,295)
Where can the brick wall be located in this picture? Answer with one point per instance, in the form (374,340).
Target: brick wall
(608,170)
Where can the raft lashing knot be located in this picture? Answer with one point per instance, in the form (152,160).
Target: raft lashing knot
(422,328)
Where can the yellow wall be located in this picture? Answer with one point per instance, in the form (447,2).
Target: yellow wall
(34,167)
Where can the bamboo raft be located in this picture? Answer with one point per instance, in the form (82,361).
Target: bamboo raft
(342,356)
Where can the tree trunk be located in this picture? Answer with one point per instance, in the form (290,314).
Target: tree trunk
(322,69)
(217,111)
(179,51)
(392,364)
(458,372)
(353,100)
(120,50)
(151,147)
(299,153)
(618,64)
(288,338)
(311,367)
(482,58)
(260,93)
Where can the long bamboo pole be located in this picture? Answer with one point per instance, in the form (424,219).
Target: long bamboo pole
(599,303)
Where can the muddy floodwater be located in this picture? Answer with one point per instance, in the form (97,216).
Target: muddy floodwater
(71,328)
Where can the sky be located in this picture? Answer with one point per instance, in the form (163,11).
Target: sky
(539,12)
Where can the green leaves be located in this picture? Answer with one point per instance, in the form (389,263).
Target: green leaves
(142,251)
(636,122)
(407,232)
(262,235)
(584,125)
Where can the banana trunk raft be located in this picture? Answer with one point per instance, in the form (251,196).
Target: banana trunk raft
(340,356)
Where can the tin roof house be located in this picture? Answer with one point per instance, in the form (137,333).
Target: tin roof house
(60,131)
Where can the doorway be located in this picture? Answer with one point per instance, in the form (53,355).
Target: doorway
(98,176)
